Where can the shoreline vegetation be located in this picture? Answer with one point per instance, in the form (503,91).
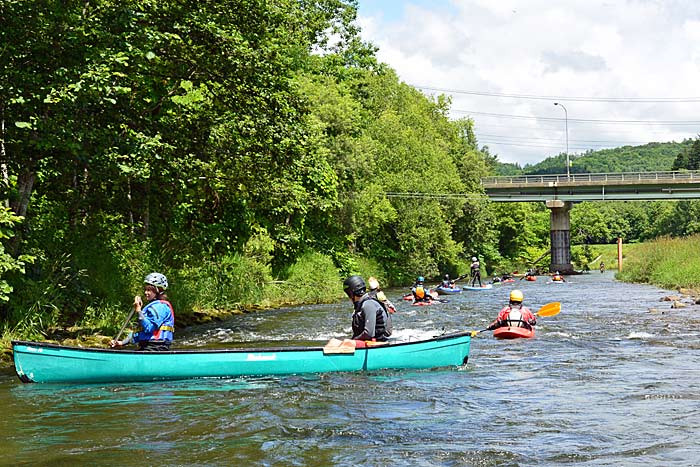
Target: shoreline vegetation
(255,156)
(670,263)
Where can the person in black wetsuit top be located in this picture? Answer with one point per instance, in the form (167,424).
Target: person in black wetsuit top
(370,320)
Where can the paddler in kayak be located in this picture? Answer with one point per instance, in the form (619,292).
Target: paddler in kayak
(376,293)
(556,277)
(514,314)
(370,320)
(447,283)
(420,293)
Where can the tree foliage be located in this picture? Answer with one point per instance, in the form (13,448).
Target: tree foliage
(142,135)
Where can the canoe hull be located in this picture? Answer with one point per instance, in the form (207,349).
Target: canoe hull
(509,332)
(50,363)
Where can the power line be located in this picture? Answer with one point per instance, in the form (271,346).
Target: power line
(545,146)
(528,138)
(583,120)
(558,129)
(441,196)
(563,98)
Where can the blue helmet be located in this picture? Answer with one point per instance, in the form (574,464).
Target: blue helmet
(420,279)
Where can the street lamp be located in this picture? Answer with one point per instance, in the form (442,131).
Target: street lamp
(566,123)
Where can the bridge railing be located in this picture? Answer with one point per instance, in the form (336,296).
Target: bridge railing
(624,177)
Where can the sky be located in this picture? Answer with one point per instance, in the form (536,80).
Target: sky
(624,72)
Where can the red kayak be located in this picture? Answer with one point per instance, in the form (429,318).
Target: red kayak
(423,303)
(409,296)
(530,278)
(509,332)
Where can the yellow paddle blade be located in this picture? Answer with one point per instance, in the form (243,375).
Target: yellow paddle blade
(550,309)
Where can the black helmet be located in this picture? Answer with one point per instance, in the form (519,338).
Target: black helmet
(354,285)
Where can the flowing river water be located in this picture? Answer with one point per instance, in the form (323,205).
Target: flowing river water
(611,381)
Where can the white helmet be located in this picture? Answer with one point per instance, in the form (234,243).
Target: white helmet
(473,258)
(373,283)
(157,280)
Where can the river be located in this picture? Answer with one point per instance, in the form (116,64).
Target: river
(607,382)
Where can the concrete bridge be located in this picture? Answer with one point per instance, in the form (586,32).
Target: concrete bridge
(558,192)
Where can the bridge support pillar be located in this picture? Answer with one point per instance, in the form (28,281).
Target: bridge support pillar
(560,236)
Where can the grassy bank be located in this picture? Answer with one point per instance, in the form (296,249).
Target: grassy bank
(592,255)
(671,263)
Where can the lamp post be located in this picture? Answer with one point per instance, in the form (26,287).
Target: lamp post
(566,123)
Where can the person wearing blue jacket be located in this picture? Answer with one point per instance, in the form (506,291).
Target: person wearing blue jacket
(156,319)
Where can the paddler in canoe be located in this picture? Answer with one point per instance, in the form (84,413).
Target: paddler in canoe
(514,314)
(370,319)
(377,293)
(156,319)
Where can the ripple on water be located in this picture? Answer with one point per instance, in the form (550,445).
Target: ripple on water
(601,384)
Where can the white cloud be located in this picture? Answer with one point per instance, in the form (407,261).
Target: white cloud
(635,49)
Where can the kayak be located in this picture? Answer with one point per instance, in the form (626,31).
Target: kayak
(556,282)
(483,287)
(424,303)
(447,290)
(508,280)
(52,363)
(409,296)
(509,332)
(530,278)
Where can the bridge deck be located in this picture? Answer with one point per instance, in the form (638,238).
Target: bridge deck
(598,186)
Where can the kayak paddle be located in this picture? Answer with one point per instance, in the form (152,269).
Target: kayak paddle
(550,309)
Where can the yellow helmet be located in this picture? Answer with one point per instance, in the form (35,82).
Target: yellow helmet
(516,296)
(373,283)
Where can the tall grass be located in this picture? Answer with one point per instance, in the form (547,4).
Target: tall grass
(667,262)
(313,278)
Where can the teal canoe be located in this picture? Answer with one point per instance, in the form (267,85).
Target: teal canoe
(51,363)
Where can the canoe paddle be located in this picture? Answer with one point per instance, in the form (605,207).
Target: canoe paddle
(137,301)
(550,309)
(124,325)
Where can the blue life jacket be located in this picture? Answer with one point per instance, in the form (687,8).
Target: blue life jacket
(158,323)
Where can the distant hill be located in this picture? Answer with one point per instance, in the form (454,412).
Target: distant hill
(650,157)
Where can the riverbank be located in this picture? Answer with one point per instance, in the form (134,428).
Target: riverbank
(667,263)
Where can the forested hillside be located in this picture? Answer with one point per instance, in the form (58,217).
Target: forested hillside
(647,158)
